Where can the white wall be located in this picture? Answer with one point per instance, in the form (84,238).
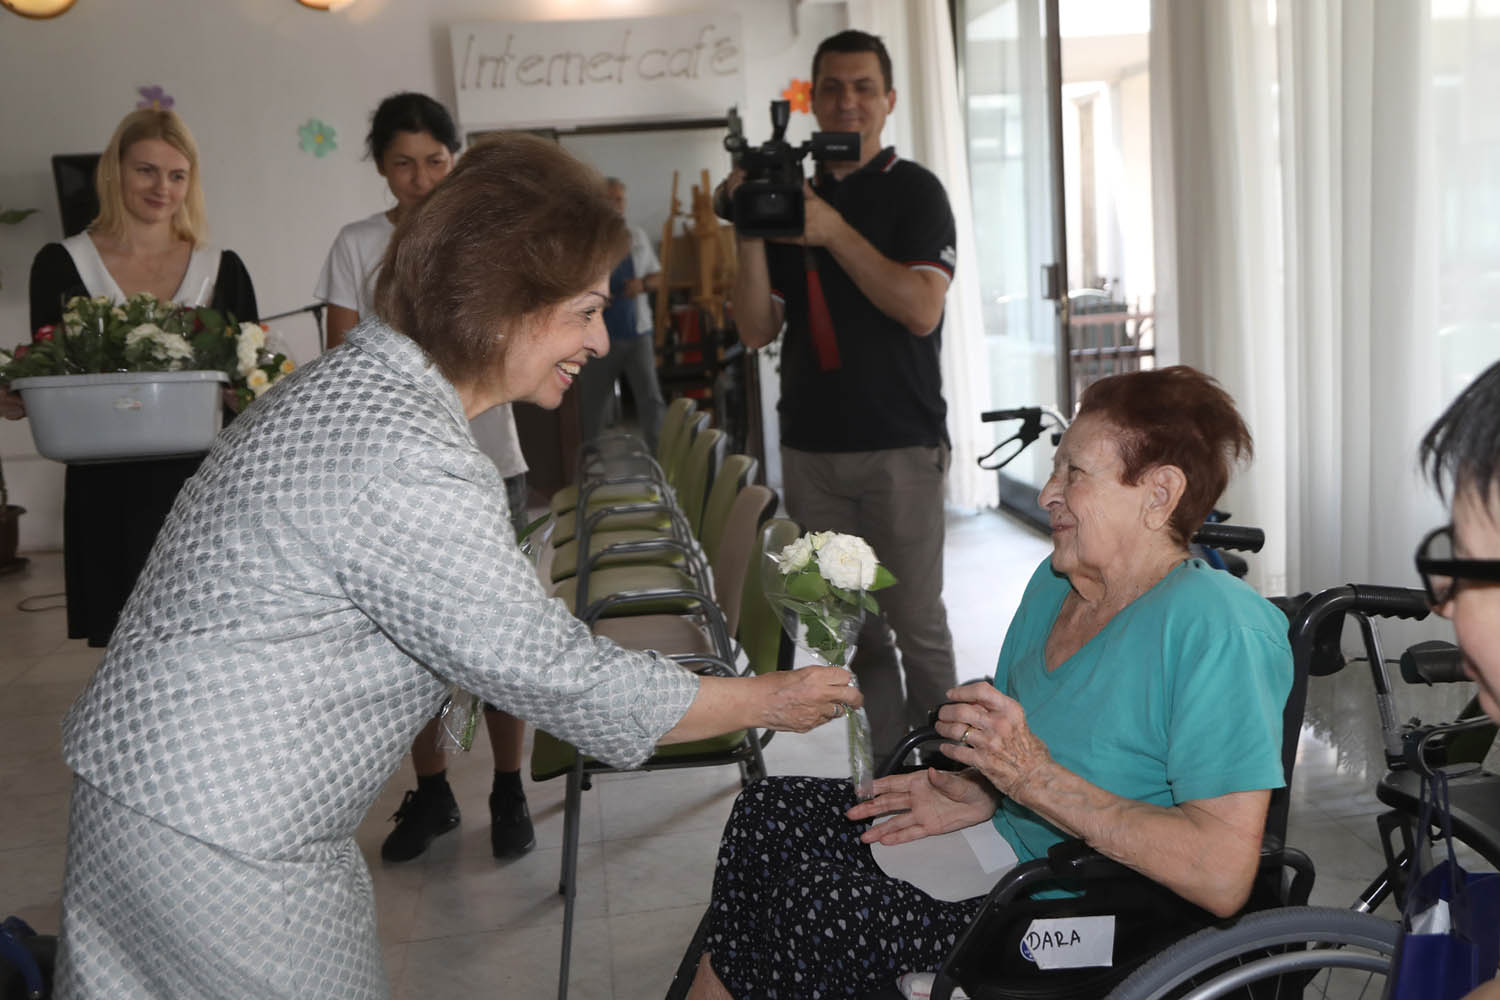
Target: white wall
(245,74)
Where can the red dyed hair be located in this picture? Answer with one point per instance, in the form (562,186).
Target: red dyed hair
(1174,416)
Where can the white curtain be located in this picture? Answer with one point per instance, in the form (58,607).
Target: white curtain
(1305,263)
(928,127)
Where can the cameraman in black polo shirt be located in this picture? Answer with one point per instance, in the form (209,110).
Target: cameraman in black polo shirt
(863,432)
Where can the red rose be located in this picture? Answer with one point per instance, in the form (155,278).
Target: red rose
(197,323)
(44,333)
(21,351)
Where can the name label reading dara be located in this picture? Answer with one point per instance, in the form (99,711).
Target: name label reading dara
(1070,942)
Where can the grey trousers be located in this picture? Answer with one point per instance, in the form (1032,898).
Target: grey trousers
(635,359)
(893,499)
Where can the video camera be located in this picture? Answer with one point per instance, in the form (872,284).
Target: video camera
(769,202)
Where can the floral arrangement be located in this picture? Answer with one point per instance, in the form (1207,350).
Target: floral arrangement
(826,580)
(146,334)
(821,584)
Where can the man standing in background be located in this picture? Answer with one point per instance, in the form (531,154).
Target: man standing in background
(864,440)
(632,350)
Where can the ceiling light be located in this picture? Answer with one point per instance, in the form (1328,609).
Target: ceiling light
(38,8)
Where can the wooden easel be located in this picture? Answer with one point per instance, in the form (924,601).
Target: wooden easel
(700,260)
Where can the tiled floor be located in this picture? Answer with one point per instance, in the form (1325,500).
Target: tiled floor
(457,922)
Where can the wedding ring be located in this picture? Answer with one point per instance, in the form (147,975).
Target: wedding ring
(964,737)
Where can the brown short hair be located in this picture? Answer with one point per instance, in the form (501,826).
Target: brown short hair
(518,227)
(1174,416)
(148,123)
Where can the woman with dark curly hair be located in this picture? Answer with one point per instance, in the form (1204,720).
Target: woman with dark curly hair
(1136,705)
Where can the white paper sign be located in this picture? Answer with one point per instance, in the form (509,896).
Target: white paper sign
(1070,942)
(540,74)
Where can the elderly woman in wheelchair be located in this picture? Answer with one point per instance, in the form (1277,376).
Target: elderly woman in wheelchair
(1137,704)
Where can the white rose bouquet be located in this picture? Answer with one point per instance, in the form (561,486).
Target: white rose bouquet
(821,584)
(825,580)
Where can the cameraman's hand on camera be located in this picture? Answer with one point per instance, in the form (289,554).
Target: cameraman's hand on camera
(822,225)
(723,199)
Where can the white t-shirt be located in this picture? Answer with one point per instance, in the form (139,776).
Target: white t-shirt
(348,277)
(348,280)
(643,259)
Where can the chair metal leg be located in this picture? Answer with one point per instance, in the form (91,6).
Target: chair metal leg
(569,886)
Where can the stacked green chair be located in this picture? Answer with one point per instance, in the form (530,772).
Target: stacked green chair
(762,647)
(632,546)
(635,498)
(692,574)
(626,453)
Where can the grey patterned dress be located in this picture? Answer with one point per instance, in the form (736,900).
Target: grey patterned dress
(343,553)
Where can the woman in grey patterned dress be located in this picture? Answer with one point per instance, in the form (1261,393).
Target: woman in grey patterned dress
(341,557)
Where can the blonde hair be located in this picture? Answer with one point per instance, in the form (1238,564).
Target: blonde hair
(148,123)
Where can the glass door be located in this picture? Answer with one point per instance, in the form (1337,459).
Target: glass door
(1105,131)
(1012,156)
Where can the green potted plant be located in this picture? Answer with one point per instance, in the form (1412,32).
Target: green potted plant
(117,381)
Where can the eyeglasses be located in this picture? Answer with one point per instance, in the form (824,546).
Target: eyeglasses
(1441,571)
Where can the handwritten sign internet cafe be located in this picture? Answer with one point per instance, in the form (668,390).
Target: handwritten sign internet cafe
(538,74)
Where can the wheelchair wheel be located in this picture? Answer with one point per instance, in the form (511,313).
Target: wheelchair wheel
(1298,951)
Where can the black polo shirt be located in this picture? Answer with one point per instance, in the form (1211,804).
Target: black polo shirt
(888,391)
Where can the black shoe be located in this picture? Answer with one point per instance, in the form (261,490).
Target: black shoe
(419,821)
(511,833)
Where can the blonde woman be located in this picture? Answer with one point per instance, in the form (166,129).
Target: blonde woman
(149,237)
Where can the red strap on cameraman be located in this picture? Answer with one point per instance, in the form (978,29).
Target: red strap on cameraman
(820,321)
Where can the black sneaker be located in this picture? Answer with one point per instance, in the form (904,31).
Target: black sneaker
(419,821)
(511,833)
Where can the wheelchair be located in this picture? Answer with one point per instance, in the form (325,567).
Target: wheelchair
(1278,946)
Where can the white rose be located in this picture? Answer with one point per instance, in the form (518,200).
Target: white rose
(175,346)
(254,333)
(820,538)
(258,382)
(146,331)
(795,556)
(847,562)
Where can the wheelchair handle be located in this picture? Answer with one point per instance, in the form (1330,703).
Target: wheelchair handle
(1020,413)
(1218,535)
(1433,662)
(1390,602)
(1317,625)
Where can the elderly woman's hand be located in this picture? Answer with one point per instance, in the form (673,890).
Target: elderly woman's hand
(925,803)
(989,732)
(11,405)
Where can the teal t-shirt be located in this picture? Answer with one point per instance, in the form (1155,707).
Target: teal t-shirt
(1179,697)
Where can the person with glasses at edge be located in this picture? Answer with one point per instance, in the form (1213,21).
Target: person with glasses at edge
(1460,562)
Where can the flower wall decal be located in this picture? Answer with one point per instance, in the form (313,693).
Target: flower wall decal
(317,138)
(799,94)
(154,97)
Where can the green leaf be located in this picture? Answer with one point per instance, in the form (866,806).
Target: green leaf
(819,635)
(871,605)
(11,216)
(883,578)
(807,585)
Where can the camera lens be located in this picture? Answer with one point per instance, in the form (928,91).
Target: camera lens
(770,204)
